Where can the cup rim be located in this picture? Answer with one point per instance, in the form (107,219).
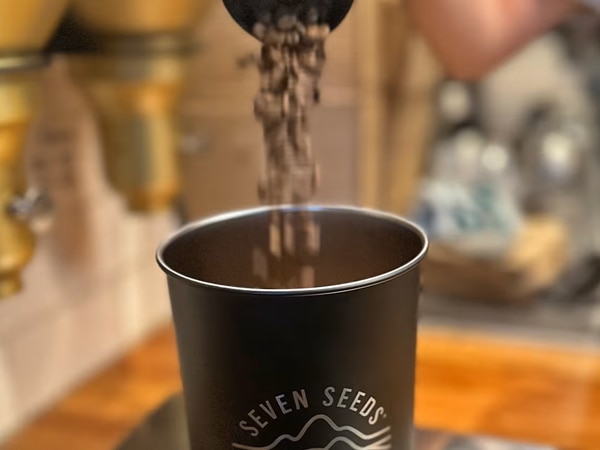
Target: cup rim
(343,287)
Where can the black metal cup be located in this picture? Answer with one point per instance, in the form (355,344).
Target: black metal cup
(324,368)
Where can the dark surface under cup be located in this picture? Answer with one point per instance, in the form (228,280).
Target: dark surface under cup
(321,368)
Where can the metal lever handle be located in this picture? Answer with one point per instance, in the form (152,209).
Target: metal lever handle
(34,207)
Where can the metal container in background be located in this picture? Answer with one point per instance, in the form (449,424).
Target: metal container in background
(135,81)
(27,25)
(25,29)
(308,368)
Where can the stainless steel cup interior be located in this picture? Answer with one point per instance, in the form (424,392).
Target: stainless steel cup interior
(359,247)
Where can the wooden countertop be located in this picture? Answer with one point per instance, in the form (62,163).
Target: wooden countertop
(465,384)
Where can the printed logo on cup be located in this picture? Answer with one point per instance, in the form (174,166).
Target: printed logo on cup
(370,432)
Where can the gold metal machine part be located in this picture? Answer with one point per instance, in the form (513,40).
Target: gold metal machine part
(26,26)
(134,84)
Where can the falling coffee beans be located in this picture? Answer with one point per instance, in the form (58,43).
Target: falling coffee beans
(291,63)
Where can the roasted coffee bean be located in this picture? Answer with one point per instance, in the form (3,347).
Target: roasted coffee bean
(287,23)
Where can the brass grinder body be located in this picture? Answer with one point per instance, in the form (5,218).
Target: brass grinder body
(26,27)
(134,83)
(18,104)
(135,96)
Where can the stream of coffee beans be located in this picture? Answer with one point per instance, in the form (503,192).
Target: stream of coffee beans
(291,63)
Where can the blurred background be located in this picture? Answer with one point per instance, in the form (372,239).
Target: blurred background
(119,122)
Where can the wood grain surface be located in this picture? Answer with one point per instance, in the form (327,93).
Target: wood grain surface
(465,384)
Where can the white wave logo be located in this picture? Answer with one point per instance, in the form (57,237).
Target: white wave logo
(381,444)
